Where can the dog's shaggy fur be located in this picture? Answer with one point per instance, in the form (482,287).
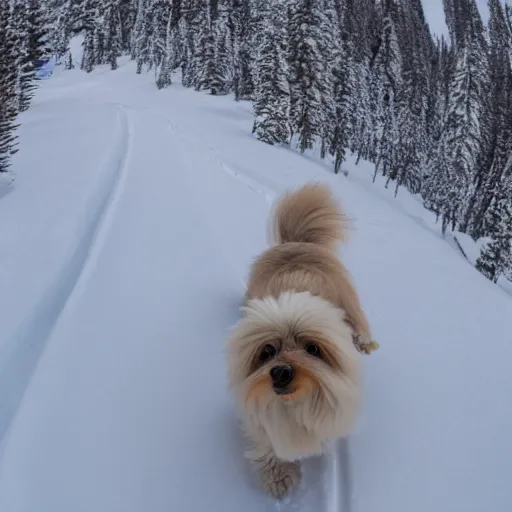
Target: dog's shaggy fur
(303,314)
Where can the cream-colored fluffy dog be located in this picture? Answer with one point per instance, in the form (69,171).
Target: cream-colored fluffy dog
(292,360)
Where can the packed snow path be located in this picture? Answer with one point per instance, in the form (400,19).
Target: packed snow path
(150,206)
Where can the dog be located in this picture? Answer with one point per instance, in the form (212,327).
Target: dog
(293,358)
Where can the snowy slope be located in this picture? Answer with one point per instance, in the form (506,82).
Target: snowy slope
(125,245)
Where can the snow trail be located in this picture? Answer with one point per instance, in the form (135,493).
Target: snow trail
(17,367)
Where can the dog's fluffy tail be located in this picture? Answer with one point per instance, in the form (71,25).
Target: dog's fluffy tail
(309,214)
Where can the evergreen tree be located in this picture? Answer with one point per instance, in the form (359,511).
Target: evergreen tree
(127,14)
(94,47)
(173,46)
(416,49)
(24,68)
(28,25)
(242,78)
(142,43)
(362,28)
(222,75)
(330,48)
(271,106)
(500,116)
(308,74)
(387,84)
(342,65)
(203,59)
(164,78)
(496,256)
(8,80)
(249,22)
(158,35)
(188,29)
(113,30)
(462,148)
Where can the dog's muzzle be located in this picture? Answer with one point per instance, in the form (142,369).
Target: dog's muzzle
(282,376)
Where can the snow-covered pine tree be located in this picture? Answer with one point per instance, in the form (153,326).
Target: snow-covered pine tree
(164,78)
(24,68)
(386,88)
(35,48)
(249,25)
(440,188)
(222,77)
(173,46)
(462,19)
(307,71)
(256,28)
(476,41)
(112,30)
(500,82)
(143,33)
(508,19)
(187,29)
(100,55)
(495,259)
(342,67)
(187,52)
(67,19)
(204,48)
(127,14)
(137,27)
(362,28)
(28,26)
(150,34)
(94,47)
(442,69)
(239,28)
(330,47)
(461,150)
(53,10)
(8,79)
(143,40)
(272,96)
(158,36)
(416,49)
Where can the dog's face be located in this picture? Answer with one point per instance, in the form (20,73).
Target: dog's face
(290,365)
(292,361)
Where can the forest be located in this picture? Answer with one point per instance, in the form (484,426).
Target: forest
(433,115)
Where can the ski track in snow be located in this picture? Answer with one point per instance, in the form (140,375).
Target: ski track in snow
(269,194)
(32,336)
(337,477)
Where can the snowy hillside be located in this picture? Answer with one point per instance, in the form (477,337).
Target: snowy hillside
(125,245)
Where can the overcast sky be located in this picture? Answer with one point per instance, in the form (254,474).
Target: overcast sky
(435,14)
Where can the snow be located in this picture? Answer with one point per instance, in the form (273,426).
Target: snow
(126,241)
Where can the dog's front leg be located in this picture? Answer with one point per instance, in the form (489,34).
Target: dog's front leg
(277,477)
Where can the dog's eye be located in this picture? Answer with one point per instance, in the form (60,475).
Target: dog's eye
(267,353)
(313,350)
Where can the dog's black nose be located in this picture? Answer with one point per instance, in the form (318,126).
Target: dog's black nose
(281,375)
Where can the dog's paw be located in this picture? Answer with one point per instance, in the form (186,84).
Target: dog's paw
(368,348)
(365,346)
(280,478)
